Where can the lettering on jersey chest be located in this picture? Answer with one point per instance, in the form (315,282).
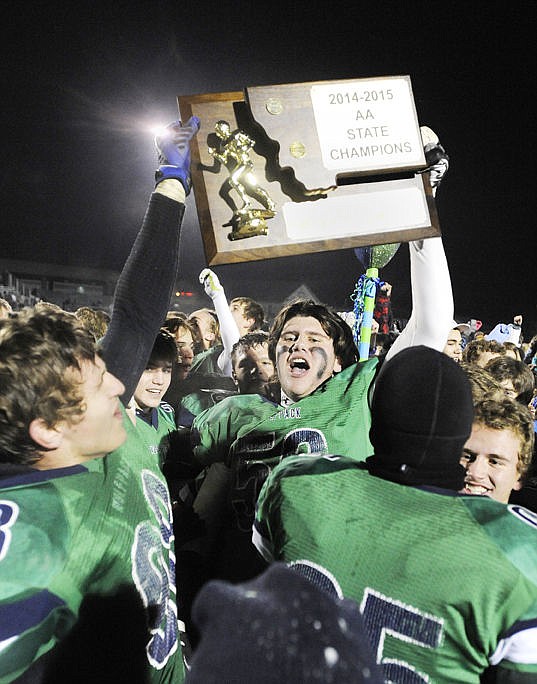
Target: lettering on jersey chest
(289,413)
(120,489)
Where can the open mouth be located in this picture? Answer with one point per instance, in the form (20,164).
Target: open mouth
(298,366)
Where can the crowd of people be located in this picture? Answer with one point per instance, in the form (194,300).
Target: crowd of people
(210,496)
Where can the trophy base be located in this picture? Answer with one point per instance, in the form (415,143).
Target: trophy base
(249,223)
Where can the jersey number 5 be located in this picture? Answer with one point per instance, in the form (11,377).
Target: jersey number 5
(385,616)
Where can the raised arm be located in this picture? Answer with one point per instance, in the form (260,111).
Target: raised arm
(145,285)
(432,295)
(229,330)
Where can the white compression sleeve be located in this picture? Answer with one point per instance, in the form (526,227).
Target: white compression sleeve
(432,298)
(229,331)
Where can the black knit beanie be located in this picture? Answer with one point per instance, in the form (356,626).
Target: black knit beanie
(280,628)
(422,415)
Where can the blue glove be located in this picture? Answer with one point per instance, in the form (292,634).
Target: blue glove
(174,152)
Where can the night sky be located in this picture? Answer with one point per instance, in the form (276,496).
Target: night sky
(83,83)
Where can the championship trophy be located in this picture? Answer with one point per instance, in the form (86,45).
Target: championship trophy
(309,167)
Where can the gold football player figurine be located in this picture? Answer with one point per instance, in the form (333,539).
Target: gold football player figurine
(233,152)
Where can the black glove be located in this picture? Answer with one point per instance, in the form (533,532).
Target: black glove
(435,156)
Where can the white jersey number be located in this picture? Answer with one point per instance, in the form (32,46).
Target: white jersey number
(384,616)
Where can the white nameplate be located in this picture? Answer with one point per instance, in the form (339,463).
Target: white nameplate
(368,124)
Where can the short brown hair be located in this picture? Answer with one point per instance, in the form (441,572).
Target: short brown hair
(508,414)
(251,309)
(94,320)
(511,346)
(506,368)
(180,322)
(483,384)
(37,351)
(476,348)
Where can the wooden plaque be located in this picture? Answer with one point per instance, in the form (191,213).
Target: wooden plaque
(308,167)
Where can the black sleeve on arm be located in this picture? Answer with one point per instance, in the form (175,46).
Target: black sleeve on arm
(143,292)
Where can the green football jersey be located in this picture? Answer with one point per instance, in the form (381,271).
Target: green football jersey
(89,529)
(206,362)
(447,584)
(251,434)
(196,402)
(154,435)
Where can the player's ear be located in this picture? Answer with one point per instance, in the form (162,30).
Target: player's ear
(517,486)
(234,378)
(43,435)
(337,365)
